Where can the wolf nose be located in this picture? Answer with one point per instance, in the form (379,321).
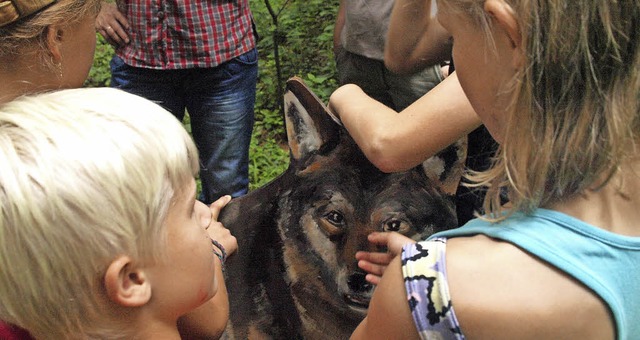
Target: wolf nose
(358,283)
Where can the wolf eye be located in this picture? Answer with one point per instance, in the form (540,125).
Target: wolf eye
(396,225)
(335,217)
(393,226)
(332,224)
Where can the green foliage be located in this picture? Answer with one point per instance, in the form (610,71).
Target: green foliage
(99,74)
(304,36)
(268,160)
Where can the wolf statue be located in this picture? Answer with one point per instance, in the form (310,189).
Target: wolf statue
(295,275)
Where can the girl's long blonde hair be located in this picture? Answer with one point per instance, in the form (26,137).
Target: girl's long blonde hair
(574,117)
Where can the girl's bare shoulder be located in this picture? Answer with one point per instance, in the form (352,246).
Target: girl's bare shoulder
(499,291)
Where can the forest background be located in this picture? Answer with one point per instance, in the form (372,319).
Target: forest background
(295,38)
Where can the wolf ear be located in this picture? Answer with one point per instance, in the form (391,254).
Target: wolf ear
(311,128)
(445,169)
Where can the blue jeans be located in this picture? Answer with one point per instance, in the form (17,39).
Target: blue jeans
(220,102)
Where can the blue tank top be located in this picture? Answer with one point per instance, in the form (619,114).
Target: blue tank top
(607,263)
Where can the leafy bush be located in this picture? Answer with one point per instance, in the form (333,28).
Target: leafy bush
(99,75)
(303,33)
(304,37)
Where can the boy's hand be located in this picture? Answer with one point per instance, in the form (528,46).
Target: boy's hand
(375,263)
(217,231)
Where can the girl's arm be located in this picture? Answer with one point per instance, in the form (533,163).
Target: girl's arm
(395,141)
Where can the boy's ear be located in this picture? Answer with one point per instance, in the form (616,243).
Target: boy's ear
(55,37)
(505,18)
(126,284)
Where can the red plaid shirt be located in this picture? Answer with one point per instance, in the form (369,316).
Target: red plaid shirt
(180,34)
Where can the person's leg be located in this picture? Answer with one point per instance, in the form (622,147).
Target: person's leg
(159,86)
(220,102)
(406,89)
(364,72)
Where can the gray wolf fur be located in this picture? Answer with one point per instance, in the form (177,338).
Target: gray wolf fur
(295,275)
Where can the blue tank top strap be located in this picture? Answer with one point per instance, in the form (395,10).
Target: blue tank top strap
(603,261)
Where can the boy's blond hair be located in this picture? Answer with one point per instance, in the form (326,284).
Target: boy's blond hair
(86,175)
(575,114)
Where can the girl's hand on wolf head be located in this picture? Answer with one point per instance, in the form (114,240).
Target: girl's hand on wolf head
(375,263)
(217,231)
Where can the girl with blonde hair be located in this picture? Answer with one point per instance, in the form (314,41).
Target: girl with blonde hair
(556,82)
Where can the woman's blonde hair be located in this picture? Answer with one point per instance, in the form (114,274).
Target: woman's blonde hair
(574,117)
(29,32)
(86,175)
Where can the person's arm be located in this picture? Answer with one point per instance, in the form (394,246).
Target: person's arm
(415,38)
(399,141)
(388,316)
(210,320)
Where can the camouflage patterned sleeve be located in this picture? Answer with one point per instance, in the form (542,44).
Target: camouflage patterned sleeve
(425,279)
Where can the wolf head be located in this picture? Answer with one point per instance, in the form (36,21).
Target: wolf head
(316,216)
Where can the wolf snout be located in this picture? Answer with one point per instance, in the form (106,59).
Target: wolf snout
(359,291)
(357,282)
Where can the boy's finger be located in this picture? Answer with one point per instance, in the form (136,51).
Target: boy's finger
(218,205)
